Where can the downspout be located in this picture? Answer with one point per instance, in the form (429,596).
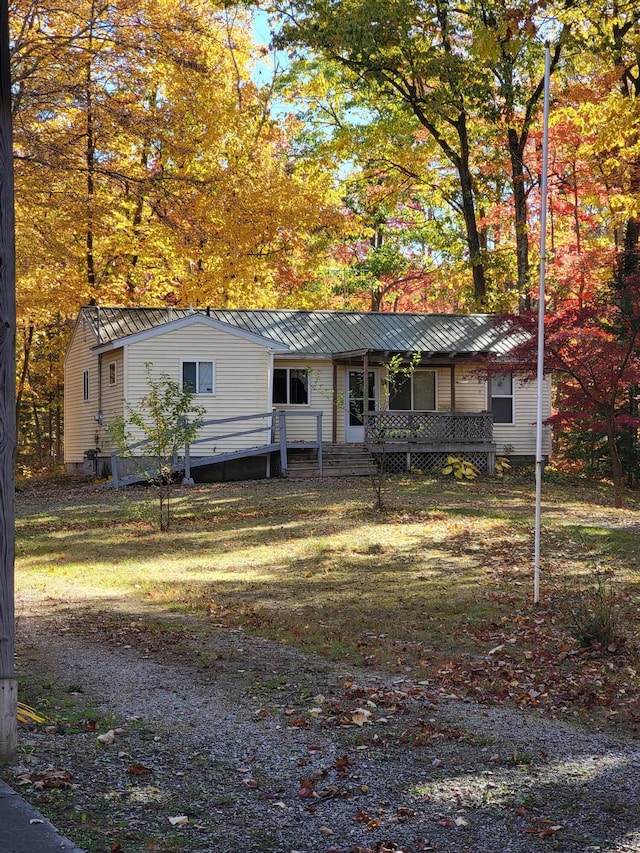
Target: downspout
(99,415)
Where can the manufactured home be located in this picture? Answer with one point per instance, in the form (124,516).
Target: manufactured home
(289,391)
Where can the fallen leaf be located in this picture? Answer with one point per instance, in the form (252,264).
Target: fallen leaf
(179,820)
(360,716)
(139,770)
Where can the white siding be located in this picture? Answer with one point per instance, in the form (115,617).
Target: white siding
(80,425)
(241,378)
(299,426)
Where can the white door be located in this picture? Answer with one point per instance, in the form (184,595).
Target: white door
(356,402)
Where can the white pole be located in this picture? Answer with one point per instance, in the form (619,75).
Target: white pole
(540,368)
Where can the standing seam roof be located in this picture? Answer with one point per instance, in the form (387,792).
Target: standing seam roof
(307,332)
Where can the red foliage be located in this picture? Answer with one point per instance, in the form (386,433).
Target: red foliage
(594,348)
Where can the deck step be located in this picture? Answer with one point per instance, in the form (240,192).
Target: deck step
(347,460)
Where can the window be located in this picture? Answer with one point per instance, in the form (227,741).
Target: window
(85,385)
(113,376)
(291,386)
(198,377)
(502,398)
(415,393)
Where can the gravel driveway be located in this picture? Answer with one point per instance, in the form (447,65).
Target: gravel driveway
(271,750)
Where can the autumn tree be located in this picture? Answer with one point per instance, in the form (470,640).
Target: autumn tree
(593,347)
(148,164)
(149,170)
(472,78)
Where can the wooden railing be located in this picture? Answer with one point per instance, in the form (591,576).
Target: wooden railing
(402,427)
(270,429)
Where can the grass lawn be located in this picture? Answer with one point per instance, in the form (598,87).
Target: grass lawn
(437,587)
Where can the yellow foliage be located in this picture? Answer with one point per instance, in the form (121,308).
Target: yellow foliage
(27,715)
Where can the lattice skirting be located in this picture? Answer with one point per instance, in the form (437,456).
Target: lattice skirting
(428,463)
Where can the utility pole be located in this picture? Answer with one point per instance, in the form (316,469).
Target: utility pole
(8,681)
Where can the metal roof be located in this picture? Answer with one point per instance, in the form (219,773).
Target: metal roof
(326,332)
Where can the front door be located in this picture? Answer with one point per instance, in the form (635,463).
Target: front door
(357,402)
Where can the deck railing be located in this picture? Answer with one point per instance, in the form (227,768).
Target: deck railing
(402,427)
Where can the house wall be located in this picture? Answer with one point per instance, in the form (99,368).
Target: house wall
(299,426)
(519,439)
(113,398)
(80,425)
(241,379)
(471,392)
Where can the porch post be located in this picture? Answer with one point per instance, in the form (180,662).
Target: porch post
(282,427)
(453,388)
(114,469)
(365,391)
(334,426)
(187,465)
(319,439)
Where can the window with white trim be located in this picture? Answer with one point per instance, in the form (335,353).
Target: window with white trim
(414,393)
(198,377)
(113,373)
(502,398)
(85,385)
(291,386)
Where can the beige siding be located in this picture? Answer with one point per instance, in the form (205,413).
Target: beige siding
(80,425)
(241,378)
(471,392)
(112,396)
(299,426)
(520,438)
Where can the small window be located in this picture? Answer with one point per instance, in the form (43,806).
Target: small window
(85,385)
(113,375)
(502,398)
(198,376)
(291,386)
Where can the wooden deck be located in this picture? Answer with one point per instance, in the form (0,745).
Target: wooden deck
(467,434)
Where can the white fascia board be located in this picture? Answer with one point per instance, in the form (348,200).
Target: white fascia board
(190,320)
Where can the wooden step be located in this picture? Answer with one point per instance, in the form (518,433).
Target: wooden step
(346,460)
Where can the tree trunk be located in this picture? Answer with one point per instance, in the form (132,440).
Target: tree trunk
(516,153)
(26,353)
(90,154)
(616,464)
(476,258)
